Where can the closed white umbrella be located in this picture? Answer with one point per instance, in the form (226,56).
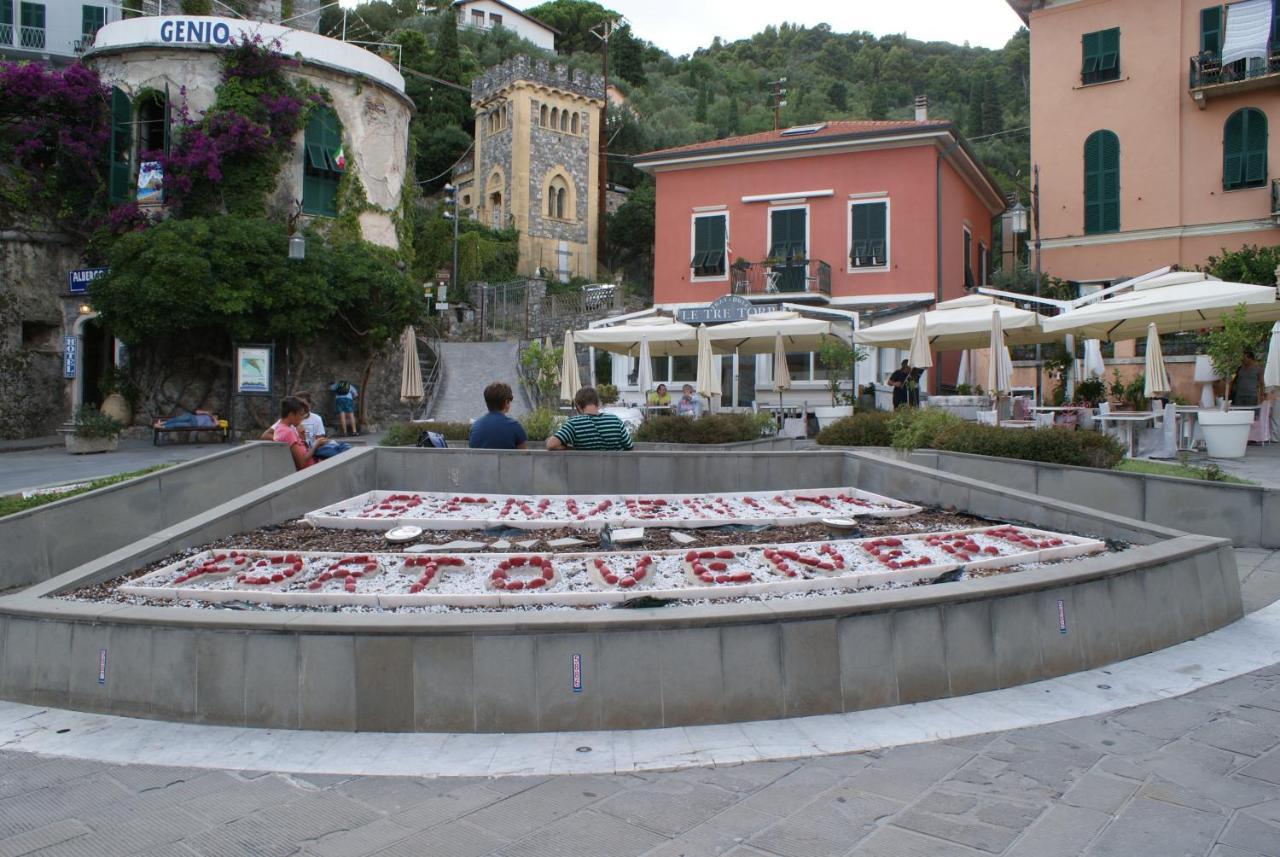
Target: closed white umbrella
(1271,372)
(1094,365)
(1156,385)
(708,382)
(781,371)
(920,356)
(999,368)
(965,371)
(410,370)
(569,382)
(644,375)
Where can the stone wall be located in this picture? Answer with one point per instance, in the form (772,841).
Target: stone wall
(536,71)
(553,152)
(34,316)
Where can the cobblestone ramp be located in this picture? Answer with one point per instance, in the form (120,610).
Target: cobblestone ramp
(467,368)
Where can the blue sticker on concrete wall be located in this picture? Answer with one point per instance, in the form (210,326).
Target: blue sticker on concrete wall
(1062,617)
(576,661)
(102,667)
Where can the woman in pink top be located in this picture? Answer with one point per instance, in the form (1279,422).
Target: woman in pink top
(292,411)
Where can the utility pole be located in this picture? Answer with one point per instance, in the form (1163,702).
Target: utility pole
(603,31)
(778,91)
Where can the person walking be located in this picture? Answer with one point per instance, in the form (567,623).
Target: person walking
(497,430)
(344,403)
(590,429)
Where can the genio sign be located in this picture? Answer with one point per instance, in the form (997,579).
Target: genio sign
(208,32)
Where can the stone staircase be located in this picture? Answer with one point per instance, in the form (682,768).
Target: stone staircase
(466,368)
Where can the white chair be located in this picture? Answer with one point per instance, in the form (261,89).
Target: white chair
(987,418)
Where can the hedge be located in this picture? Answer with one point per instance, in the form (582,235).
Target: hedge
(870,428)
(713,428)
(406,434)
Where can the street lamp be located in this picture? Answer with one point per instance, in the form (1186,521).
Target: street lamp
(451,202)
(1016,220)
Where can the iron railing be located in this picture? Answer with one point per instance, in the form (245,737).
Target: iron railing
(802,276)
(432,368)
(6,34)
(31,37)
(1207,69)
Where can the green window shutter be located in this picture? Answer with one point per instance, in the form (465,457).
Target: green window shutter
(1233,151)
(869,235)
(320,173)
(1090,49)
(1211,29)
(1110,191)
(1255,147)
(121,147)
(715,261)
(1109,61)
(968,260)
(1092,169)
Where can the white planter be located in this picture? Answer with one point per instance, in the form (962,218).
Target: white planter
(86,445)
(826,416)
(1226,433)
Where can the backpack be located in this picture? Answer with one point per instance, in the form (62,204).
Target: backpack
(342,388)
(431,440)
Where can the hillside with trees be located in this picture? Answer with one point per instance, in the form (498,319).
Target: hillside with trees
(718,91)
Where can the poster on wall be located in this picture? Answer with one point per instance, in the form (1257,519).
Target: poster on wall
(150,182)
(253,370)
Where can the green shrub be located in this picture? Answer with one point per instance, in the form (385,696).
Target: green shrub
(1050,445)
(406,434)
(916,428)
(91,422)
(712,428)
(540,423)
(870,428)
(608,393)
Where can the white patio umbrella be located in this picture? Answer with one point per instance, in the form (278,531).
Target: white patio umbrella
(410,370)
(1178,301)
(1094,365)
(644,375)
(781,372)
(666,337)
(999,367)
(1156,385)
(569,382)
(920,356)
(956,324)
(965,372)
(1271,372)
(708,381)
(757,334)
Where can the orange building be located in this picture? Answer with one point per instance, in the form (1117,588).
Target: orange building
(859,216)
(1150,122)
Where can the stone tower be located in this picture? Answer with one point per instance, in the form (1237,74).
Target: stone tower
(535,168)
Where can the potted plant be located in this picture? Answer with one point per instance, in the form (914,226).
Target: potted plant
(121,395)
(93,431)
(839,359)
(1090,392)
(608,394)
(1226,432)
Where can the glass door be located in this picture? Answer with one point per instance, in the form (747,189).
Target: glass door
(787,247)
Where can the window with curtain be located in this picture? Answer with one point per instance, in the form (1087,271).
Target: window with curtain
(709,234)
(1101,183)
(322,164)
(869,234)
(1244,150)
(1101,56)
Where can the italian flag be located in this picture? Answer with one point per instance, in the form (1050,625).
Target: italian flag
(340,158)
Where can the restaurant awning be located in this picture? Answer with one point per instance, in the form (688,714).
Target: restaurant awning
(958,324)
(1177,301)
(664,335)
(759,334)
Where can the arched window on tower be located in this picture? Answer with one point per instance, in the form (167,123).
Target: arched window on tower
(575,123)
(559,206)
(153,123)
(555,117)
(564,120)
(542,116)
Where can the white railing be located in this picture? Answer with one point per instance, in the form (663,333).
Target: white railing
(6,34)
(31,37)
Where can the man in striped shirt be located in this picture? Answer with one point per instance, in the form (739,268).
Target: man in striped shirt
(590,429)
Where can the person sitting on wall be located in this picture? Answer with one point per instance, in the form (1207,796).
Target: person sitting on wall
(590,429)
(292,412)
(898,381)
(313,432)
(689,404)
(496,430)
(659,398)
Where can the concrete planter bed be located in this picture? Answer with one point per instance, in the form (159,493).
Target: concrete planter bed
(634,668)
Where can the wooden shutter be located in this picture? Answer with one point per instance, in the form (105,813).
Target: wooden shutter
(1110,182)
(1255,147)
(699,245)
(1109,61)
(1233,151)
(1092,169)
(715,262)
(1211,30)
(968,260)
(121,147)
(1101,182)
(1091,50)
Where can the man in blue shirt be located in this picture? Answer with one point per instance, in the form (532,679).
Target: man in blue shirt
(496,430)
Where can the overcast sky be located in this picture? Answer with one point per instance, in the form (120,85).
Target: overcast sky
(681,26)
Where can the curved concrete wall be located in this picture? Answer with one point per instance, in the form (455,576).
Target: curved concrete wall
(639,667)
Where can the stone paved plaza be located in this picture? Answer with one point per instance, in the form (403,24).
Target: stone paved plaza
(1193,775)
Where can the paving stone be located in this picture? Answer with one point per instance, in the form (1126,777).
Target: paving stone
(627,535)
(896,842)
(1228,851)
(420,549)
(984,837)
(1014,816)
(793,791)
(1153,827)
(1252,834)
(40,773)
(945,803)
(126,835)
(41,837)
(1063,831)
(1158,788)
(828,826)
(447,807)
(1265,768)
(242,799)
(59,802)
(1107,735)
(1236,736)
(1101,792)
(359,841)
(1168,718)
(500,545)
(905,773)
(462,546)
(528,543)
(543,804)
(387,794)
(567,542)
(748,777)
(671,807)
(456,839)
(585,834)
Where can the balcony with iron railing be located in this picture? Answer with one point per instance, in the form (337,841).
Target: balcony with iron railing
(1210,77)
(790,277)
(31,37)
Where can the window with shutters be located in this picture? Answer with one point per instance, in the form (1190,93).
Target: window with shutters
(120,171)
(710,240)
(1101,183)
(153,124)
(868,235)
(92,19)
(322,163)
(1211,30)
(968,258)
(1101,56)
(1244,150)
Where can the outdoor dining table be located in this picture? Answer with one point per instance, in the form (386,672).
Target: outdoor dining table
(1129,419)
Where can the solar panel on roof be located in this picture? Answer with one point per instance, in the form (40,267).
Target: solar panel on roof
(800,130)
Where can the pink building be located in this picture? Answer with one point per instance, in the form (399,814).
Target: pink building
(1150,122)
(862,216)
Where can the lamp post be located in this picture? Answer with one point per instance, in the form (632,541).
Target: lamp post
(451,213)
(1017,220)
(297,242)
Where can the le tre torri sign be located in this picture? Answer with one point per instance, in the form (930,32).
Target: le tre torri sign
(723,310)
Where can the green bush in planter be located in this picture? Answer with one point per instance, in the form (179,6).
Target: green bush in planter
(710,429)
(916,428)
(406,434)
(540,423)
(869,428)
(1049,445)
(93,423)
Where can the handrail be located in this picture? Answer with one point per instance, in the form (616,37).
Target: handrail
(432,378)
(528,384)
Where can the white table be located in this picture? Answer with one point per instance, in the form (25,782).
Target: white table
(1129,420)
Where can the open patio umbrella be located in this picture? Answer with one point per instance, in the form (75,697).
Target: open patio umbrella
(781,371)
(665,336)
(644,375)
(1156,385)
(708,382)
(410,370)
(960,323)
(569,382)
(757,335)
(1177,301)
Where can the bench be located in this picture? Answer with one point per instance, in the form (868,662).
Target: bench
(223,430)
